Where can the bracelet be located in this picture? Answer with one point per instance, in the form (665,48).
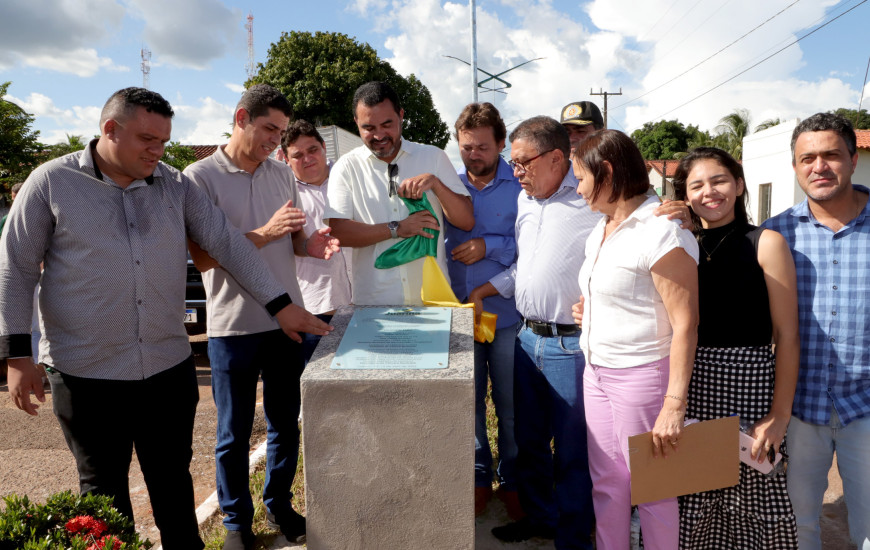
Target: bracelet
(677,397)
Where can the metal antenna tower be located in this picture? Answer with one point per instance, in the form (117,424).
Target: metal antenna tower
(146,67)
(250,66)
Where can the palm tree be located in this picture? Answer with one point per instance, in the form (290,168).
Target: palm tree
(732,129)
(769,123)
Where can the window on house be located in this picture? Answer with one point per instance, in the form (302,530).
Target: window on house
(763,202)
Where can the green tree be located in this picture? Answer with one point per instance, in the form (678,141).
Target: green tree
(769,123)
(861,121)
(663,139)
(19,145)
(733,127)
(73,144)
(319,73)
(178,156)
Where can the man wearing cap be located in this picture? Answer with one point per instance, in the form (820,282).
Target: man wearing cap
(581,118)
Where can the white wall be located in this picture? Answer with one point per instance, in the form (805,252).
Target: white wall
(767,159)
(862,172)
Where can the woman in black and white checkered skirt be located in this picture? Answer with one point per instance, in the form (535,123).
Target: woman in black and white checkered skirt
(748,296)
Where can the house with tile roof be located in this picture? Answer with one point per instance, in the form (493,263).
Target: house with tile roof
(770,178)
(337,141)
(661,176)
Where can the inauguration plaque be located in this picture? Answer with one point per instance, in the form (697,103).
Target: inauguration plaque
(395,338)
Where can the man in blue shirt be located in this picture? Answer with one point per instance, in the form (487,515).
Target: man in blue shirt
(829,235)
(475,257)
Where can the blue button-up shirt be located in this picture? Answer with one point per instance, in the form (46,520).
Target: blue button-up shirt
(833,278)
(495,215)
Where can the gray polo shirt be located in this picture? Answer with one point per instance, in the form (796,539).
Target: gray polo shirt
(249,201)
(111,296)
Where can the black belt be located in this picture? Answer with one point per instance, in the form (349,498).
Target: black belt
(551,329)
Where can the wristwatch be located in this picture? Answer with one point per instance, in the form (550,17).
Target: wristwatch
(394,229)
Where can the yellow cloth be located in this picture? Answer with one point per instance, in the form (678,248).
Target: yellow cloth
(436,291)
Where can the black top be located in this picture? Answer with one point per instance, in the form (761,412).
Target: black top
(734,307)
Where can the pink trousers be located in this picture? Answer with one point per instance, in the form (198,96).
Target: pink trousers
(621,403)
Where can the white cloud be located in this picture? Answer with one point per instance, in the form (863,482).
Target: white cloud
(237,88)
(58,35)
(629,45)
(81,62)
(75,121)
(203,123)
(191,33)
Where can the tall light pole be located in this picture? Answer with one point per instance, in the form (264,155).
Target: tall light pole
(473,7)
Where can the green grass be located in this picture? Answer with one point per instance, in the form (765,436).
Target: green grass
(213,532)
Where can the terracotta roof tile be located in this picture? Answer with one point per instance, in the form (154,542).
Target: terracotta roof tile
(863,139)
(660,165)
(203,151)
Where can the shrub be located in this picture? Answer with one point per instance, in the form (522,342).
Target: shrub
(66,522)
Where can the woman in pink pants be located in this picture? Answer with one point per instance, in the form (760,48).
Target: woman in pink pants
(640,318)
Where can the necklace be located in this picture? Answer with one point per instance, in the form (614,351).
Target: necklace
(715,248)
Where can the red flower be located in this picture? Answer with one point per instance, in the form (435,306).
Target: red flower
(108,542)
(86,525)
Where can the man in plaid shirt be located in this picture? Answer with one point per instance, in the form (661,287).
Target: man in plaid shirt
(829,235)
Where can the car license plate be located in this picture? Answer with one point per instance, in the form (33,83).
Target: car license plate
(190,316)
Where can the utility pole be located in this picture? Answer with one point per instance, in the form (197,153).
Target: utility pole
(250,66)
(146,67)
(605,94)
(473,8)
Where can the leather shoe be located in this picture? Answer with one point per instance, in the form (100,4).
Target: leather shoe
(291,525)
(521,530)
(239,540)
(481,498)
(511,500)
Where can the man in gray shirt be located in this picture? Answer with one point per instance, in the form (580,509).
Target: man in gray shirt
(110,224)
(258,195)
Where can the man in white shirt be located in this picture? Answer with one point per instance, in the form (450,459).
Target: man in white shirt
(553,222)
(364,201)
(325,284)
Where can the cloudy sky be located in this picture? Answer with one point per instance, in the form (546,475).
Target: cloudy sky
(686,59)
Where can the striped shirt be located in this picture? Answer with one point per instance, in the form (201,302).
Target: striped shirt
(551,246)
(112,293)
(833,278)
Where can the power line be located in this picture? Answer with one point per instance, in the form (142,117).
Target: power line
(667,11)
(697,28)
(695,66)
(760,62)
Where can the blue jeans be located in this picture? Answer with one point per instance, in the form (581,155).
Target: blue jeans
(310,341)
(495,359)
(811,448)
(554,486)
(236,364)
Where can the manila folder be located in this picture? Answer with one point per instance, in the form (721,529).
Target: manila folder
(708,457)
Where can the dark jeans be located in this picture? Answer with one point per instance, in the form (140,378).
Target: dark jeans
(554,485)
(236,364)
(310,341)
(103,420)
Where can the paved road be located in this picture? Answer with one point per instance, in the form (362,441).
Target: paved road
(35,461)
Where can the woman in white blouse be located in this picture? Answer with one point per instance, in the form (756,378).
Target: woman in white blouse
(640,318)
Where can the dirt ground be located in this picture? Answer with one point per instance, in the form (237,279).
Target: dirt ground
(35,461)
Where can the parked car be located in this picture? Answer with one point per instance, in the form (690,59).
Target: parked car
(194,301)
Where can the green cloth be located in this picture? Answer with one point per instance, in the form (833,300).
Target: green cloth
(411,248)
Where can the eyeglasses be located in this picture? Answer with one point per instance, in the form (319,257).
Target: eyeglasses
(393,173)
(523,167)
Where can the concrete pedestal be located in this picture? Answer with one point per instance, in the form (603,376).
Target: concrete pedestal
(389,454)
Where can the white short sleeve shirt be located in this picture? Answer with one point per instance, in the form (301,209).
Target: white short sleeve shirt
(625,323)
(359,190)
